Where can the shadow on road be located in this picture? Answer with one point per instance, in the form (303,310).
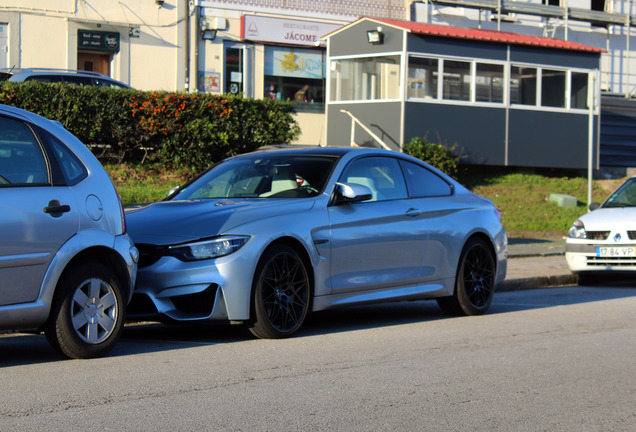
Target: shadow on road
(139,338)
(20,348)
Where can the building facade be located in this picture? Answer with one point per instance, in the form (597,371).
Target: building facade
(266,48)
(275,48)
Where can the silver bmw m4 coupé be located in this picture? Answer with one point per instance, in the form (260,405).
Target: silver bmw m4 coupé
(265,238)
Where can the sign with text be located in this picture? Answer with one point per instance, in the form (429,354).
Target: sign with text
(283,30)
(294,62)
(98,40)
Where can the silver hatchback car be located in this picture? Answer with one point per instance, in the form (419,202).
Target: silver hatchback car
(67,266)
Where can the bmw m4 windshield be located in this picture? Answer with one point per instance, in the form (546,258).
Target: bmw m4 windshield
(262,176)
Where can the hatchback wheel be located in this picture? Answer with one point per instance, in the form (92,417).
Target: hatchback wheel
(281,293)
(475,281)
(88,312)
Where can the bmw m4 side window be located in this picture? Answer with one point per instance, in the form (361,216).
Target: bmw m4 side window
(22,161)
(380,174)
(422,182)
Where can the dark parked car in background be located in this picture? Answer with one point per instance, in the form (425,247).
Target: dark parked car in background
(265,238)
(67,266)
(61,76)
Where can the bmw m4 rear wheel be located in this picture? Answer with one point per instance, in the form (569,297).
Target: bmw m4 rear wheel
(475,281)
(281,293)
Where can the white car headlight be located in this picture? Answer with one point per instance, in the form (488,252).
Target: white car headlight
(207,249)
(577,230)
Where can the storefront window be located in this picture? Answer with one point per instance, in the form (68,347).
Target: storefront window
(366,78)
(578,91)
(456,80)
(295,74)
(553,88)
(523,85)
(422,82)
(489,83)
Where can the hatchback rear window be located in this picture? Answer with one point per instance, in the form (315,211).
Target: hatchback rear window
(72,168)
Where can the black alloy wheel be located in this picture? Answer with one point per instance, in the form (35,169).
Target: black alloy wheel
(475,282)
(281,294)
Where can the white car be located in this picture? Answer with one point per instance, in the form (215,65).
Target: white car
(605,239)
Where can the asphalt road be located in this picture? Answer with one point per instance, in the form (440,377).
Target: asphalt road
(560,359)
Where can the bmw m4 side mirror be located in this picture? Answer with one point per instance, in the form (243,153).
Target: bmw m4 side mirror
(352,192)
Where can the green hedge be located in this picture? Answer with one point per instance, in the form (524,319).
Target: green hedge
(176,129)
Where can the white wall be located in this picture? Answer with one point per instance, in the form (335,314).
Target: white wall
(44,34)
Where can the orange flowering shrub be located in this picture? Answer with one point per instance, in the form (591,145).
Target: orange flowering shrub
(177,129)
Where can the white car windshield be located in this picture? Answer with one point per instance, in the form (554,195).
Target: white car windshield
(262,176)
(625,196)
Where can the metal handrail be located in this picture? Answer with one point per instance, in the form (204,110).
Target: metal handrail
(355,120)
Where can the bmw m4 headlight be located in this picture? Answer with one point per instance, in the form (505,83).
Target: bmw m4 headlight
(207,249)
(577,230)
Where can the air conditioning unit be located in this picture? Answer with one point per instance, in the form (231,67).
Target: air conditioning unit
(503,17)
(448,10)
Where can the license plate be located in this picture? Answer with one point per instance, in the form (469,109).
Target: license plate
(615,251)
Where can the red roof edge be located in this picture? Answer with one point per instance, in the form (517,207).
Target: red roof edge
(482,35)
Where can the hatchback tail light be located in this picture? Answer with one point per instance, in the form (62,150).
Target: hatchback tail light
(122,214)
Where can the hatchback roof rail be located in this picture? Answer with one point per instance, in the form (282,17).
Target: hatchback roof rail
(71,71)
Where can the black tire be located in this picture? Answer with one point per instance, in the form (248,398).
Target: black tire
(87,314)
(281,294)
(475,281)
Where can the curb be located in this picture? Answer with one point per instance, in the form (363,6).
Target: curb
(535,255)
(537,282)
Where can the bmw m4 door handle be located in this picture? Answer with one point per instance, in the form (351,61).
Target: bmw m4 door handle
(414,212)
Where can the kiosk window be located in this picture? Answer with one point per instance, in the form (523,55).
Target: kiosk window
(578,90)
(489,83)
(423,77)
(553,88)
(523,85)
(456,80)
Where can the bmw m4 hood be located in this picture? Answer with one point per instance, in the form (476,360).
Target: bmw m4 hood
(612,218)
(170,222)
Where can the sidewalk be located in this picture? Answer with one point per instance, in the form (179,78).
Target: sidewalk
(536,263)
